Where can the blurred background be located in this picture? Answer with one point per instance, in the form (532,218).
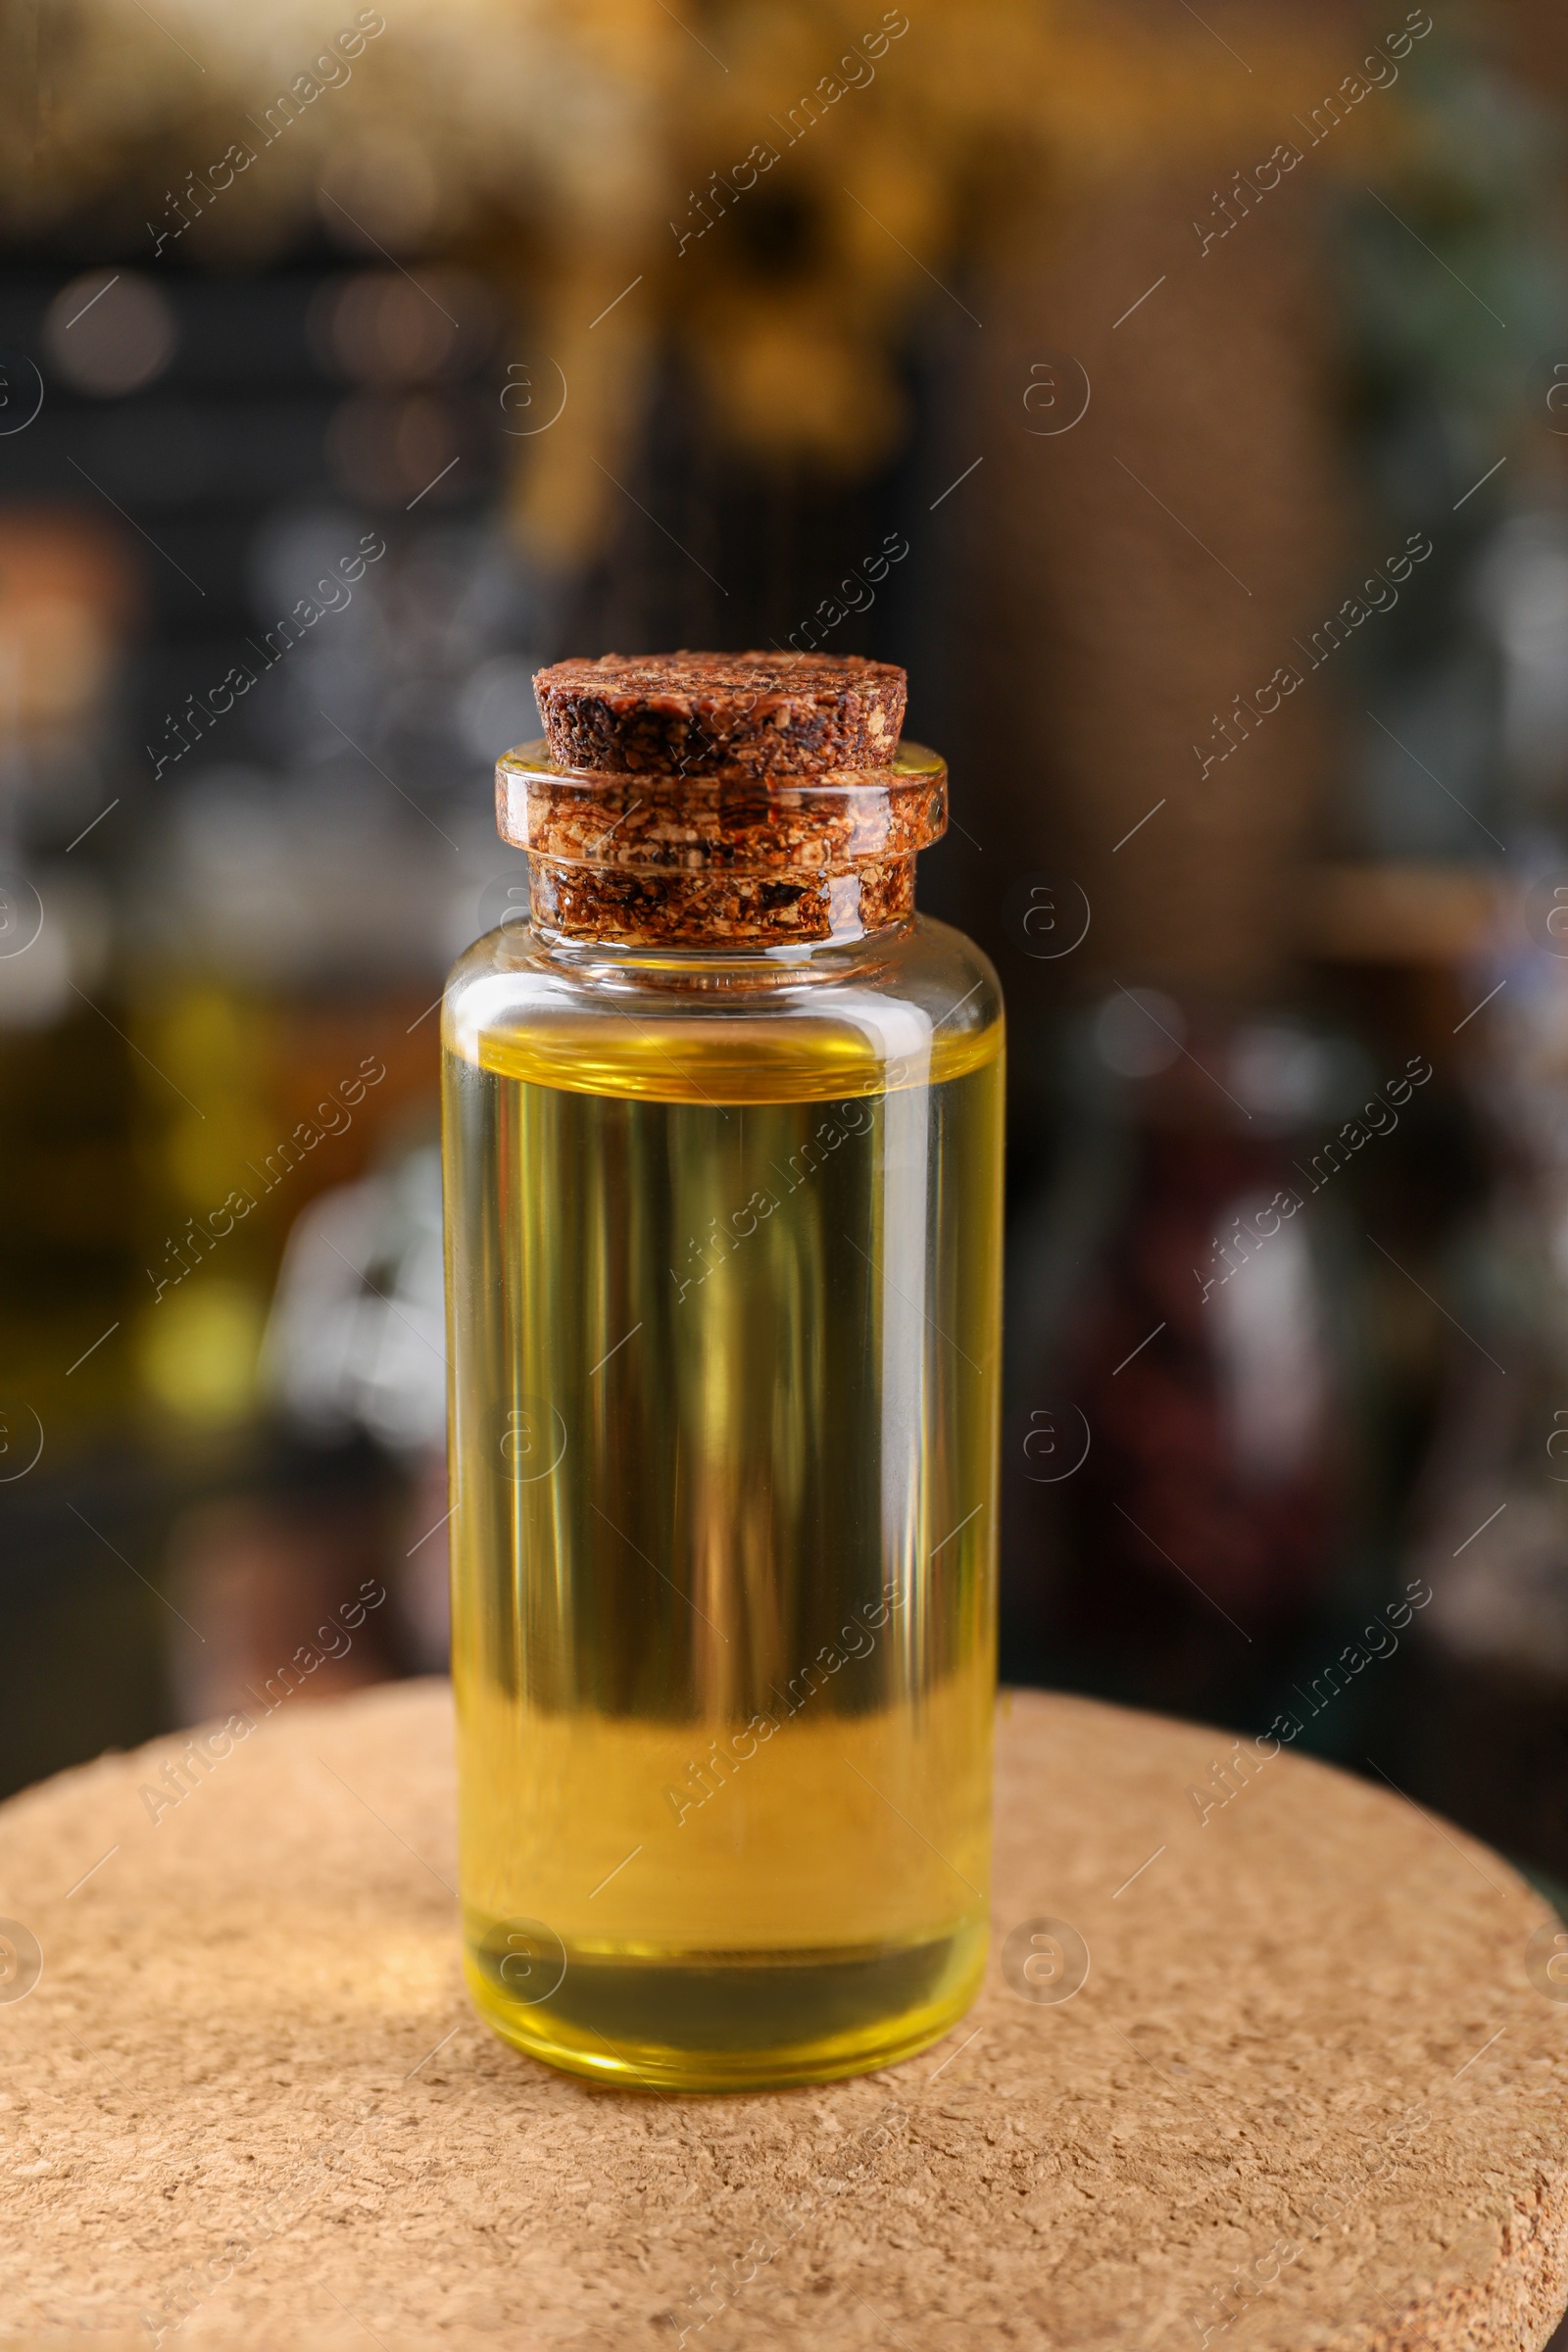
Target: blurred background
(1184,399)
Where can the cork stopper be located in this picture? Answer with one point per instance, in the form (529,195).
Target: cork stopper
(710,799)
(760,714)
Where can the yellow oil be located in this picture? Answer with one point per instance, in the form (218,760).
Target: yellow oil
(724,1299)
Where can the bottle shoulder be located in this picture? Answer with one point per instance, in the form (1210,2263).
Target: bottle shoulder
(913,1006)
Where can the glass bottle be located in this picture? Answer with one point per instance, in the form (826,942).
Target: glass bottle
(722,1128)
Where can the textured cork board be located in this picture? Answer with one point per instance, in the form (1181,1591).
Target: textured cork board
(1310,2093)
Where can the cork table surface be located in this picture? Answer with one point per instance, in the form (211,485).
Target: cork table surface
(1312,2089)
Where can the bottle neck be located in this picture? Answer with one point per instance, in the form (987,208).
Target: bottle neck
(733,865)
(744,913)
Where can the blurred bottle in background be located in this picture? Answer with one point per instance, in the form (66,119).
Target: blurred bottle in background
(295,924)
(351,1501)
(82,1649)
(1188,1477)
(67,604)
